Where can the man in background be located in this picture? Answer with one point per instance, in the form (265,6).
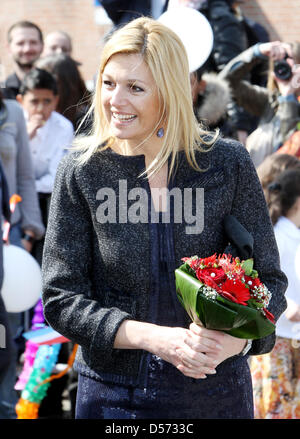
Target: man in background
(25,45)
(56,43)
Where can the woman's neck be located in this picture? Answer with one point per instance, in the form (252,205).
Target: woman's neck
(149,149)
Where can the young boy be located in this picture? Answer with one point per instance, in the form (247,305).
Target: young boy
(49,132)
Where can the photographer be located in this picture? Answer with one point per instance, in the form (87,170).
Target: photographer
(277,104)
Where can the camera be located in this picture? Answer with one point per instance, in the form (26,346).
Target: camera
(282,69)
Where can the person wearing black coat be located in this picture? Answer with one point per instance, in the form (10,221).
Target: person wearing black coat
(136,355)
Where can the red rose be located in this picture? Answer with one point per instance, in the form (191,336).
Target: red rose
(216,275)
(235,290)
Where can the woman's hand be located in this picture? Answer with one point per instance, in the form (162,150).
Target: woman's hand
(185,349)
(229,346)
(195,351)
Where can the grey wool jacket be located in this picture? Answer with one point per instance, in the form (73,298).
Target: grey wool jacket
(97,274)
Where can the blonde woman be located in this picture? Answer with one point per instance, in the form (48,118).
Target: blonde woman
(145,189)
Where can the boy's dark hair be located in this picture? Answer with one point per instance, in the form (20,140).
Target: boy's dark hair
(38,79)
(24,24)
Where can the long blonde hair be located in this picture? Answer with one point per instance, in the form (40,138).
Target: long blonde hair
(165,55)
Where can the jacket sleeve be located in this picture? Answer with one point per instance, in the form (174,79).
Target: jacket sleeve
(250,208)
(67,263)
(289,115)
(252,98)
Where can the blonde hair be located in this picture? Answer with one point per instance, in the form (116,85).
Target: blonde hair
(165,55)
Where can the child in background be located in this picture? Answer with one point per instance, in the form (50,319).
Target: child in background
(50,134)
(276,376)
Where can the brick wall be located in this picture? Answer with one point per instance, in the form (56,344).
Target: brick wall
(280,17)
(77,17)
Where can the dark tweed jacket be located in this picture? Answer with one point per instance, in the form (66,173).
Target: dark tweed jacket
(97,275)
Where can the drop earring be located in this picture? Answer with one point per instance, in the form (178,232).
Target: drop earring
(160,132)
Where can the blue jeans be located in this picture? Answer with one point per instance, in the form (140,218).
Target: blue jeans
(8,395)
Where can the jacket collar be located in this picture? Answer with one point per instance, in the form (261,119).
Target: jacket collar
(184,173)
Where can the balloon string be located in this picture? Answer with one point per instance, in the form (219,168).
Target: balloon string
(63,372)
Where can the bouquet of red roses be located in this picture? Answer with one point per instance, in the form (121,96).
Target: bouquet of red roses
(226,294)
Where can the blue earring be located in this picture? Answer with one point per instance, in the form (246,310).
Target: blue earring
(160,132)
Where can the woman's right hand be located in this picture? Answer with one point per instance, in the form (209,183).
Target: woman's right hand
(190,353)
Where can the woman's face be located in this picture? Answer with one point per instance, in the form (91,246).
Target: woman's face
(130,98)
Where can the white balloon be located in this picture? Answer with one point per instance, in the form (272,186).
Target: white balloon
(194,30)
(22,282)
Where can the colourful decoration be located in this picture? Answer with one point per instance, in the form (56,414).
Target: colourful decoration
(26,409)
(41,352)
(29,356)
(35,389)
(31,348)
(45,335)
(38,319)
(39,380)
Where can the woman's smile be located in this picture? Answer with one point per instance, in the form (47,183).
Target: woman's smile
(123,117)
(130,99)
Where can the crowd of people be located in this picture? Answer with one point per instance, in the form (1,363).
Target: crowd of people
(230,127)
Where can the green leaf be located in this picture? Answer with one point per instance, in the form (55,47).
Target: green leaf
(255,325)
(187,288)
(221,314)
(214,315)
(247,266)
(254,304)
